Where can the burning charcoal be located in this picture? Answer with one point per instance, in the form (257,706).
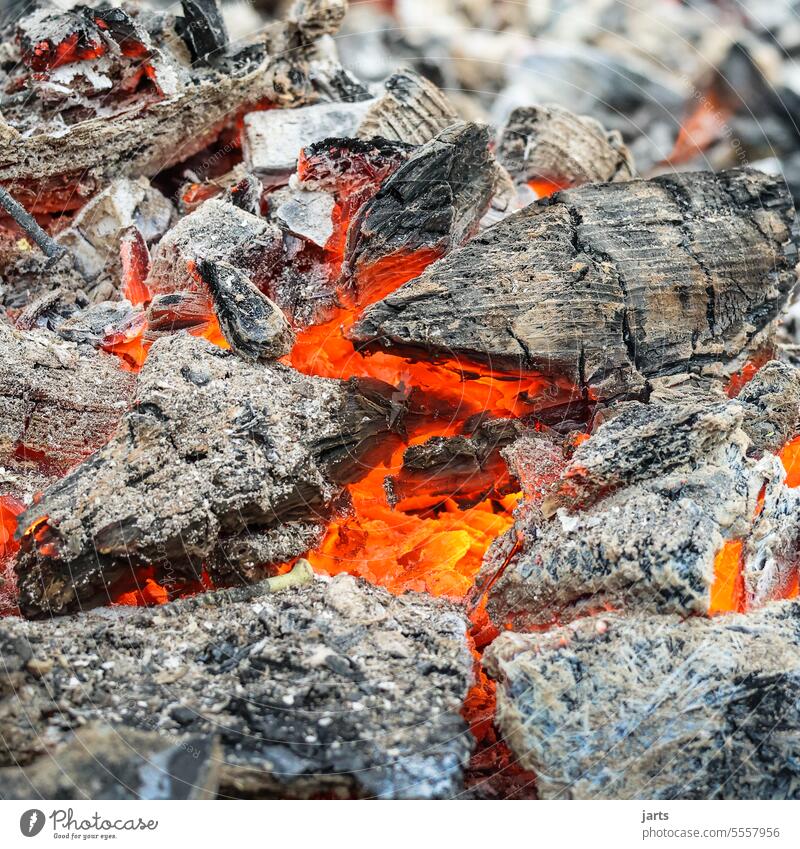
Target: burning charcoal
(313,714)
(108,762)
(772,405)
(273,139)
(432,203)
(218,232)
(655,707)
(93,237)
(253,325)
(412,110)
(640,514)
(561,288)
(213,450)
(308,214)
(59,402)
(177,311)
(93,324)
(551,145)
(246,194)
(203,29)
(466,469)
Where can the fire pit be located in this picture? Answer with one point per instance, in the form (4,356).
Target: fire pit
(363,436)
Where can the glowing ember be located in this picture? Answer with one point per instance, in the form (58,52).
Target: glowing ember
(10,508)
(727,591)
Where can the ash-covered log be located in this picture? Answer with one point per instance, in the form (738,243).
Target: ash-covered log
(608,285)
(551,145)
(637,517)
(655,707)
(334,688)
(213,452)
(432,203)
(59,401)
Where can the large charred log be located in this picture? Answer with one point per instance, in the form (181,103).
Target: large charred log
(551,145)
(636,518)
(655,707)
(59,402)
(335,688)
(214,451)
(608,285)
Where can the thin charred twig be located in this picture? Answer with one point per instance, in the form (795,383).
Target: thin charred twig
(17,211)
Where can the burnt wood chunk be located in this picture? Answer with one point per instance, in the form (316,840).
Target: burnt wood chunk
(213,449)
(253,325)
(58,402)
(432,203)
(636,518)
(553,145)
(202,28)
(104,761)
(608,285)
(656,707)
(335,688)
(412,109)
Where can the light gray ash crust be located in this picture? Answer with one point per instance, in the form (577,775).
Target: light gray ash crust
(608,285)
(334,688)
(218,460)
(635,518)
(621,706)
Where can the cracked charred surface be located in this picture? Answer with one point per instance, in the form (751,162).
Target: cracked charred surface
(221,461)
(607,285)
(635,519)
(656,707)
(334,688)
(550,143)
(58,403)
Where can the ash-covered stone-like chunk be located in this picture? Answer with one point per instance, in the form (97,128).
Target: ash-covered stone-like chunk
(608,285)
(656,707)
(108,762)
(433,202)
(213,449)
(335,688)
(253,325)
(58,401)
(220,232)
(552,144)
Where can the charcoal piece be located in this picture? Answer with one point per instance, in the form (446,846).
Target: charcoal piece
(30,226)
(273,139)
(213,448)
(219,232)
(772,406)
(607,285)
(335,688)
(177,311)
(309,215)
(466,469)
(552,144)
(412,110)
(108,762)
(252,324)
(638,515)
(433,202)
(93,324)
(42,32)
(58,402)
(203,29)
(246,194)
(655,707)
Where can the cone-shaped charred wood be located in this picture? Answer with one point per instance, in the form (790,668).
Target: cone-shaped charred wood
(411,110)
(432,203)
(214,449)
(553,145)
(253,325)
(312,713)
(655,707)
(608,285)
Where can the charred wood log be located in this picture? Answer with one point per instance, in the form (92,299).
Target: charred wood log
(637,517)
(608,285)
(550,144)
(213,450)
(655,707)
(58,402)
(313,714)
